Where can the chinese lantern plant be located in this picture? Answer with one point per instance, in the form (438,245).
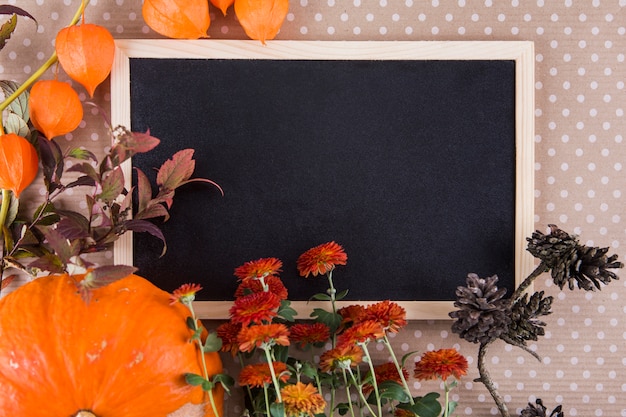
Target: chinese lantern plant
(121,351)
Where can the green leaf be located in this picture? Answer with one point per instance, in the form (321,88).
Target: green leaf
(19,106)
(341,295)
(407,356)
(227,381)
(213,343)
(191,324)
(309,370)
(391,390)
(332,320)
(15,124)
(277,410)
(194,379)
(451,407)
(286,311)
(427,406)
(320,297)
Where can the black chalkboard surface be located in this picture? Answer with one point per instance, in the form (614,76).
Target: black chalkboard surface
(409,164)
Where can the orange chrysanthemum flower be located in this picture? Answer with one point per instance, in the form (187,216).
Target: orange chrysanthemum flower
(260,268)
(264,335)
(321,259)
(341,357)
(185,294)
(274,285)
(302,399)
(362,332)
(303,334)
(258,307)
(441,363)
(390,315)
(259,374)
(351,314)
(228,333)
(385,372)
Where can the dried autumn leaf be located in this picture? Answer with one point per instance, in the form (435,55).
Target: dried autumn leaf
(223,5)
(18,163)
(55,108)
(261,19)
(177,19)
(86,53)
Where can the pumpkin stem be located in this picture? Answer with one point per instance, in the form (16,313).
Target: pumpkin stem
(85,413)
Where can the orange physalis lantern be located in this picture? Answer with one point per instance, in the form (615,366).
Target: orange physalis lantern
(86,53)
(261,19)
(55,108)
(177,19)
(18,163)
(223,5)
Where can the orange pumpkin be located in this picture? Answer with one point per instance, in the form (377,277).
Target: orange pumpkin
(122,354)
(177,19)
(86,53)
(223,5)
(19,164)
(261,19)
(55,108)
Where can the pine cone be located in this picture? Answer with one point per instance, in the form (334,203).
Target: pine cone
(525,323)
(591,269)
(540,410)
(571,263)
(552,248)
(483,314)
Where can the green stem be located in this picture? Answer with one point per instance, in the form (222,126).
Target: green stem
(268,357)
(42,69)
(359,388)
(345,381)
(447,399)
(374,382)
(6,201)
(398,368)
(267,399)
(205,372)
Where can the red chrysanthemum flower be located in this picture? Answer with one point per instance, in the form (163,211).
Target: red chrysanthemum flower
(321,259)
(351,314)
(185,294)
(258,307)
(303,334)
(260,268)
(259,374)
(441,363)
(274,285)
(341,357)
(263,335)
(302,399)
(385,372)
(390,315)
(228,333)
(362,332)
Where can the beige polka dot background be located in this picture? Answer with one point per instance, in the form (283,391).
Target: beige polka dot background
(580,48)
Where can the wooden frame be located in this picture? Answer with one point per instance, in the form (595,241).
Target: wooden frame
(522,52)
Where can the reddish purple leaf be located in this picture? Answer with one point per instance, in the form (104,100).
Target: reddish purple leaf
(175,171)
(144,190)
(143,142)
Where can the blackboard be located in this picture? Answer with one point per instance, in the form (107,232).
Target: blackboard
(410,164)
